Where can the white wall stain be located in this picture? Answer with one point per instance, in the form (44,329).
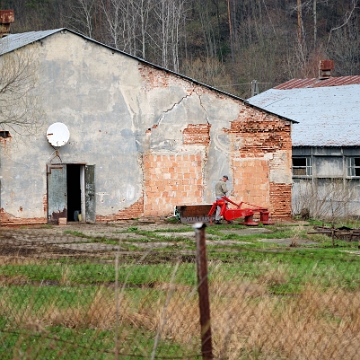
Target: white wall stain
(101,195)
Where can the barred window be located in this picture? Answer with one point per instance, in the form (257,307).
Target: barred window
(353,166)
(301,166)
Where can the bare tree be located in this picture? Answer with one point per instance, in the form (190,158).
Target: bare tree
(301,34)
(315,23)
(82,18)
(127,22)
(169,17)
(344,42)
(208,33)
(344,49)
(19,108)
(115,21)
(348,16)
(144,7)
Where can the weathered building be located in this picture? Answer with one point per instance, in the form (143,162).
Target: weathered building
(326,142)
(141,139)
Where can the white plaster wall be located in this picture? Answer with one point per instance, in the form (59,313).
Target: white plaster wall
(108,103)
(82,85)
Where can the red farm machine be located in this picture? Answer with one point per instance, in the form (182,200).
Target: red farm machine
(239,212)
(242,210)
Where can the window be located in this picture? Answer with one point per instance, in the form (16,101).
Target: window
(353,166)
(301,166)
(4,134)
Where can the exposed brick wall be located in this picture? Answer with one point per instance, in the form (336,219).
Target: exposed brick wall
(4,140)
(197,134)
(156,78)
(260,134)
(255,138)
(281,208)
(250,181)
(171,180)
(153,77)
(134,211)
(9,220)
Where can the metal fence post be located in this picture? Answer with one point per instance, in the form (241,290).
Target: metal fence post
(203,289)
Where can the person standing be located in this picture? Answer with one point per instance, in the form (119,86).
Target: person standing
(220,191)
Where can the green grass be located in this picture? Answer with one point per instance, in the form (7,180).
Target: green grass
(243,259)
(76,274)
(37,286)
(324,267)
(74,344)
(41,297)
(352,223)
(303,266)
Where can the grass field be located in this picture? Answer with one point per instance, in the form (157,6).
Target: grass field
(269,298)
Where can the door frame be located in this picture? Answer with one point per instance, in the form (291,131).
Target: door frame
(84,188)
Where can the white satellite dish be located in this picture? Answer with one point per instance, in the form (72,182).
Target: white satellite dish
(58,134)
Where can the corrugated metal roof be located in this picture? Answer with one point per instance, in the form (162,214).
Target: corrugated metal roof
(12,42)
(316,82)
(327,116)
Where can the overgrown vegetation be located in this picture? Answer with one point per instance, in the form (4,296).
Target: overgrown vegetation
(268,297)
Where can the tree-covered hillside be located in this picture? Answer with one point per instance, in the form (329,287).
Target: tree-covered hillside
(224,43)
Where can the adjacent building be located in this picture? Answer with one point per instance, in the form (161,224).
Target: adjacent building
(326,141)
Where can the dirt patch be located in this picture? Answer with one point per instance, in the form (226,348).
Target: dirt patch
(227,242)
(247,231)
(153,244)
(104,239)
(91,247)
(288,242)
(186,235)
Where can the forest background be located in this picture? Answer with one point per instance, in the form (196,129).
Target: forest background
(223,43)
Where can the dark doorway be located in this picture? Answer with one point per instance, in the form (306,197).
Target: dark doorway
(73,192)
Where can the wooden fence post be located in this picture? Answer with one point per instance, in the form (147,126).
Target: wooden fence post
(203,289)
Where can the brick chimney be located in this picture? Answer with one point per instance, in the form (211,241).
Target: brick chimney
(6,18)
(325,68)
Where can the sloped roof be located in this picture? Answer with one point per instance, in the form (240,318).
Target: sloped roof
(13,42)
(327,115)
(316,82)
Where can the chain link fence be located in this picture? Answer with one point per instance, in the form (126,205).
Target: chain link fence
(68,295)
